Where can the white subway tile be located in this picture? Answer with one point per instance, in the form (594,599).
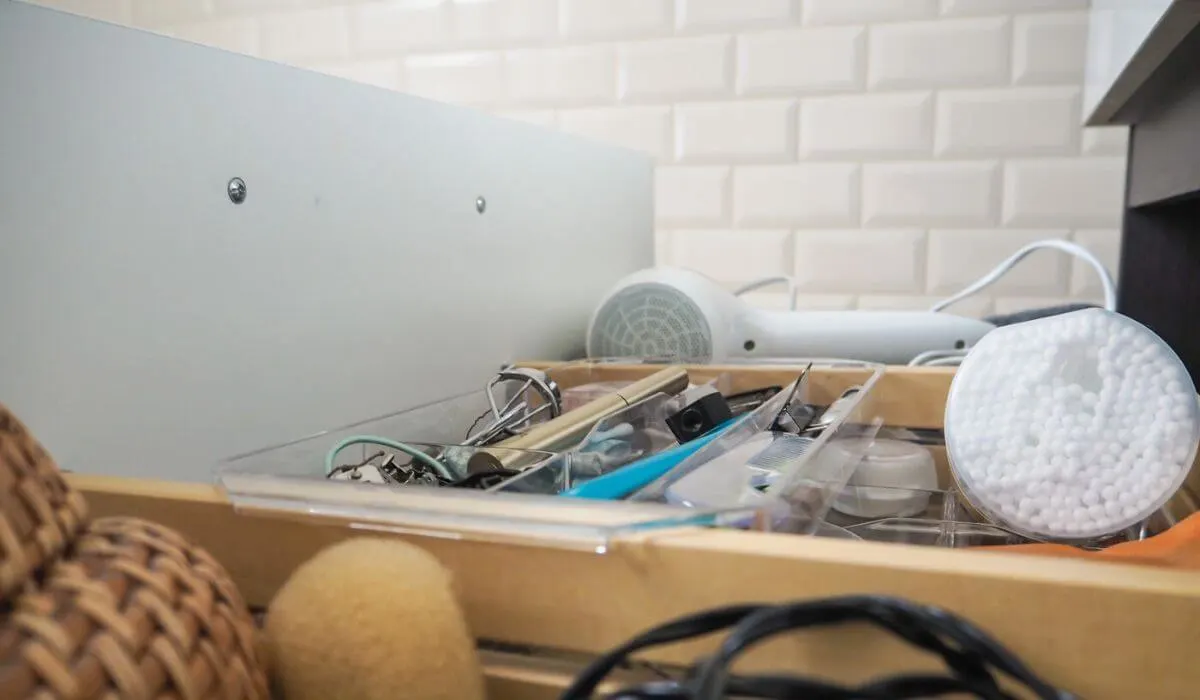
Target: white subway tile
(802,60)
(239,34)
(394,27)
(867,126)
(807,194)
(864,11)
(457,78)
(386,73)
(959,257)
(1008,121)
(996,7)
(662,248)
(500,21)
(930,194)
(645,129)
(115,11)
(732,132)
(676,68)
(778,301)
(538,117)
(733,257)
(1084,192)
(976,306)
(860,260)
(972,52)
(1106,141)
(692,195)
(723,14)
(562,77)
(1105,244)
(1049,48)
(152,13)
(591,19)
(307,34)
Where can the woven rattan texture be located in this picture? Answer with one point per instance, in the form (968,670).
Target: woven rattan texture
(39,513)
(133,612)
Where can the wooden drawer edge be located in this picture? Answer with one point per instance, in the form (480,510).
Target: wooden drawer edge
(1091,627)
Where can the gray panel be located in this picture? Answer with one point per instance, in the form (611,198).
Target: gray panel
(1128,41)
(1164,153)
(150,327)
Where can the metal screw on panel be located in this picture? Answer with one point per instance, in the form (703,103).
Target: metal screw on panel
(480,204)
(236,190)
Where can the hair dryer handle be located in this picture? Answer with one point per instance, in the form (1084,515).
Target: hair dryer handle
(890,337)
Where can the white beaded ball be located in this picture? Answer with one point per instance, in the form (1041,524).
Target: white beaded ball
(1073,426)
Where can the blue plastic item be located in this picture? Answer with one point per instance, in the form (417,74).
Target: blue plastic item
(622,482)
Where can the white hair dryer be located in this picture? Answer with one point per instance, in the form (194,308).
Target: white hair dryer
(676,313)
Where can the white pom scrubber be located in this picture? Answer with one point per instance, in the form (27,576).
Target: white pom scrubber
(1073,426)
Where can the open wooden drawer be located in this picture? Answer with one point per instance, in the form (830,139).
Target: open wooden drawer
(1100,630)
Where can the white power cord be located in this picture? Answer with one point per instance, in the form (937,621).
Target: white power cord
(1106,280)
(930,356)
(946,357)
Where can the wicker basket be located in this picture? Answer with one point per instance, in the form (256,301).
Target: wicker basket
(134,612)
(39,513)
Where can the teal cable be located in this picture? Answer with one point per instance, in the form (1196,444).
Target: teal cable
(409,450)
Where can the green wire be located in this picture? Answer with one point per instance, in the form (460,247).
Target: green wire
(392,444)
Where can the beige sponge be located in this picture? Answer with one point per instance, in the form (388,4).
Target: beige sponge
(371,619)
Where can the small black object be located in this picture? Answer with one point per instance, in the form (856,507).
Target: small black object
(485,480)
(1032,314)
(701,414)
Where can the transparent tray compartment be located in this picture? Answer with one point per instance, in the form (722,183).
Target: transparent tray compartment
(290,480)
(793,487)
(939,520)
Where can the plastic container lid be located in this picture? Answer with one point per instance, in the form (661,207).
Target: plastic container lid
(893,480)
(1073,426)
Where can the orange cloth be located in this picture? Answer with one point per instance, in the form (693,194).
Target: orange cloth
(1177,548)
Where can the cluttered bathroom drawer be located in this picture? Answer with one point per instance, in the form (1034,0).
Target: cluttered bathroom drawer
(1101,629)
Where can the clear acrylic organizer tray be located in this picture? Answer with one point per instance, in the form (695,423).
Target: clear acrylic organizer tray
(289,480)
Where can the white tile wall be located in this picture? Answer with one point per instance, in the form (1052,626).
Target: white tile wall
(942,52)
(1046,48)
(736,257)
(871,127)
(701,15)
(883,152)
(562,76)
(800,62)
(1009,121)
(1064,192)
(732,132)
(466,78)
(590,19)
(692,195)
(930,194)
(808,194)
(692,68)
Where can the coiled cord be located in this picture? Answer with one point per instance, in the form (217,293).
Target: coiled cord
(972,657)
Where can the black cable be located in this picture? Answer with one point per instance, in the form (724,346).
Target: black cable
(970,654)
(687,627)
